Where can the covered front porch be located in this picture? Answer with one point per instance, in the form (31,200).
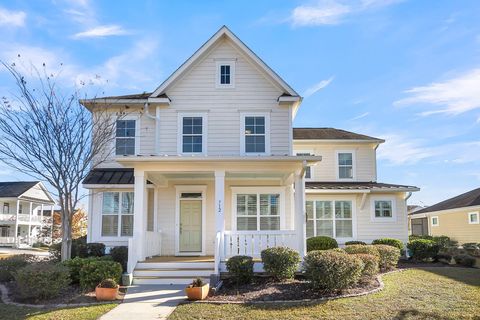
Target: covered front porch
(216,209)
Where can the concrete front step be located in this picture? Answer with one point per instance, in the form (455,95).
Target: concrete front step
(175,265)
(173,272)
(167,280)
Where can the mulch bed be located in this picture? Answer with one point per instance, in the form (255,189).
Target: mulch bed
(264,289)
(71,295)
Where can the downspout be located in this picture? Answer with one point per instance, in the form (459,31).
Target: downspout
(157,125)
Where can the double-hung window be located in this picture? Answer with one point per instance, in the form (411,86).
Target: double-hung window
(225,74)
(329,218)
(192,134)
(6,208)
(255,134)
(125,137)
(117,214)
(258,211)
(345,165)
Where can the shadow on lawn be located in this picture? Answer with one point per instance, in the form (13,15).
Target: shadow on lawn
(469,276)
(416,314)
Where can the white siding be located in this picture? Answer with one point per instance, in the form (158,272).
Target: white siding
(326,170)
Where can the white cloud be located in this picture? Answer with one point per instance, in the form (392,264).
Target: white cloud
(401,150)
(12,18)
(453,96)
(361,116)
(330,12)
(317,87)
(102,31)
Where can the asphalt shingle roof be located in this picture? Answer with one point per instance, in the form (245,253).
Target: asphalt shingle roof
(378,186)
(467,199)
(13,189)
(329,134)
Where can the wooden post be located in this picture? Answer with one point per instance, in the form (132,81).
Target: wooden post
(219,215)
(139,209)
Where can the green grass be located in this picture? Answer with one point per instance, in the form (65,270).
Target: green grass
(9,312)
(427,293)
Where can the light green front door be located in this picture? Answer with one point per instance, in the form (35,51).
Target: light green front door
(190,225)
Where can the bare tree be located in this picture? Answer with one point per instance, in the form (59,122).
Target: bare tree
(52,137)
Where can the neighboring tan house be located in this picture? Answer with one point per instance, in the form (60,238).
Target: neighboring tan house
(457,217)
(418,227)
(216,170)
(25,207)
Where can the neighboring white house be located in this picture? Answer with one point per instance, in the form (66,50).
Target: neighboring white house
(23,212)
(216,170)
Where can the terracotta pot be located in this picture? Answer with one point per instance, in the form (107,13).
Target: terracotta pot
(197,293)
(106,294)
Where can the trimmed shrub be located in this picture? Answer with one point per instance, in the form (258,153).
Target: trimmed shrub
(359,248)
(349,243)
(465,260)
(120,255)
(40,281)
(422,249)
(13,263)
(241,269)
(472,248)
(95,271)
(370,264)
(416,237)
(444,242)
(389,242)
(337,250)
(388,255)
(75,265)
(280,262)
(321,243)
(108,283)
(95,249)
(443,256)
(329,270)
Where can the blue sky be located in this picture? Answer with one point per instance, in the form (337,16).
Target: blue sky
(405,71)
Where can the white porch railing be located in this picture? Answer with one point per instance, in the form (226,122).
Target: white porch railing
(7,217)
(153,243)
(7,240)
(251,243)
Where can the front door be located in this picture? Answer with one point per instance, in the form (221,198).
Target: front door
(190,226)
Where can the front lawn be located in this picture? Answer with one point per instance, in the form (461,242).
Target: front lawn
(9,312)
(443,293)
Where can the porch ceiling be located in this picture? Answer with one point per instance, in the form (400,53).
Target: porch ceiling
(210,175)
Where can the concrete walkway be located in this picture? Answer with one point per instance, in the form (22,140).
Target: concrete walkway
(147,302)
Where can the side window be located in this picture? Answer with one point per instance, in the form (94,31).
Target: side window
(345,165)
(383,209)
(125,137)
(192,135)
(254,134)
(117,214)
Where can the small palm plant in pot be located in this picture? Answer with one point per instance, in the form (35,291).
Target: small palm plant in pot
(107,290)
(197,290)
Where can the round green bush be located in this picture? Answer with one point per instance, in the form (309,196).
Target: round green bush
(241,269)
(389,242)
(95,249)
(280,262)
(388,256)
(359,248)
(337,250)
(321,243)
(120,255)
(370,264)
(329,270)
(95,271)
(40,281)
(349,243)
(13,263)
(422,249)
(465,260)
(75,265)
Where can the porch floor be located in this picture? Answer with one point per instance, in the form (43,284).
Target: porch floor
(157,259)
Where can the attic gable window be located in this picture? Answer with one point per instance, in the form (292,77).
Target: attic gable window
(225,74)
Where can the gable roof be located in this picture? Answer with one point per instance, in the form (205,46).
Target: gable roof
(14,189)
(224,32)
(330,134)
(467,199)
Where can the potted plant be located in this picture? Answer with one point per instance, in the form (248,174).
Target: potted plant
(107,290)
(197,290)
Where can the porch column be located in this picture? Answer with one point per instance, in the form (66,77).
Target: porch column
(16,222)
(300,226)
(219,215)
(41,222)
(139,219)
(53,224)
(30,224)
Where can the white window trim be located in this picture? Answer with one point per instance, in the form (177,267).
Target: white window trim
(99,224)
(431,221)
(180,117)
(311,152)
(226,62)
(137,133)
(258,190)
(473,214)
(354,164)
(179,189)
(242,133)
(391,219)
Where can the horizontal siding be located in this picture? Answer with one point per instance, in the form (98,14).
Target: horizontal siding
(455,225)
(326,170)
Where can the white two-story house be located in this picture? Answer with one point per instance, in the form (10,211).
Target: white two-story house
(208,166)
